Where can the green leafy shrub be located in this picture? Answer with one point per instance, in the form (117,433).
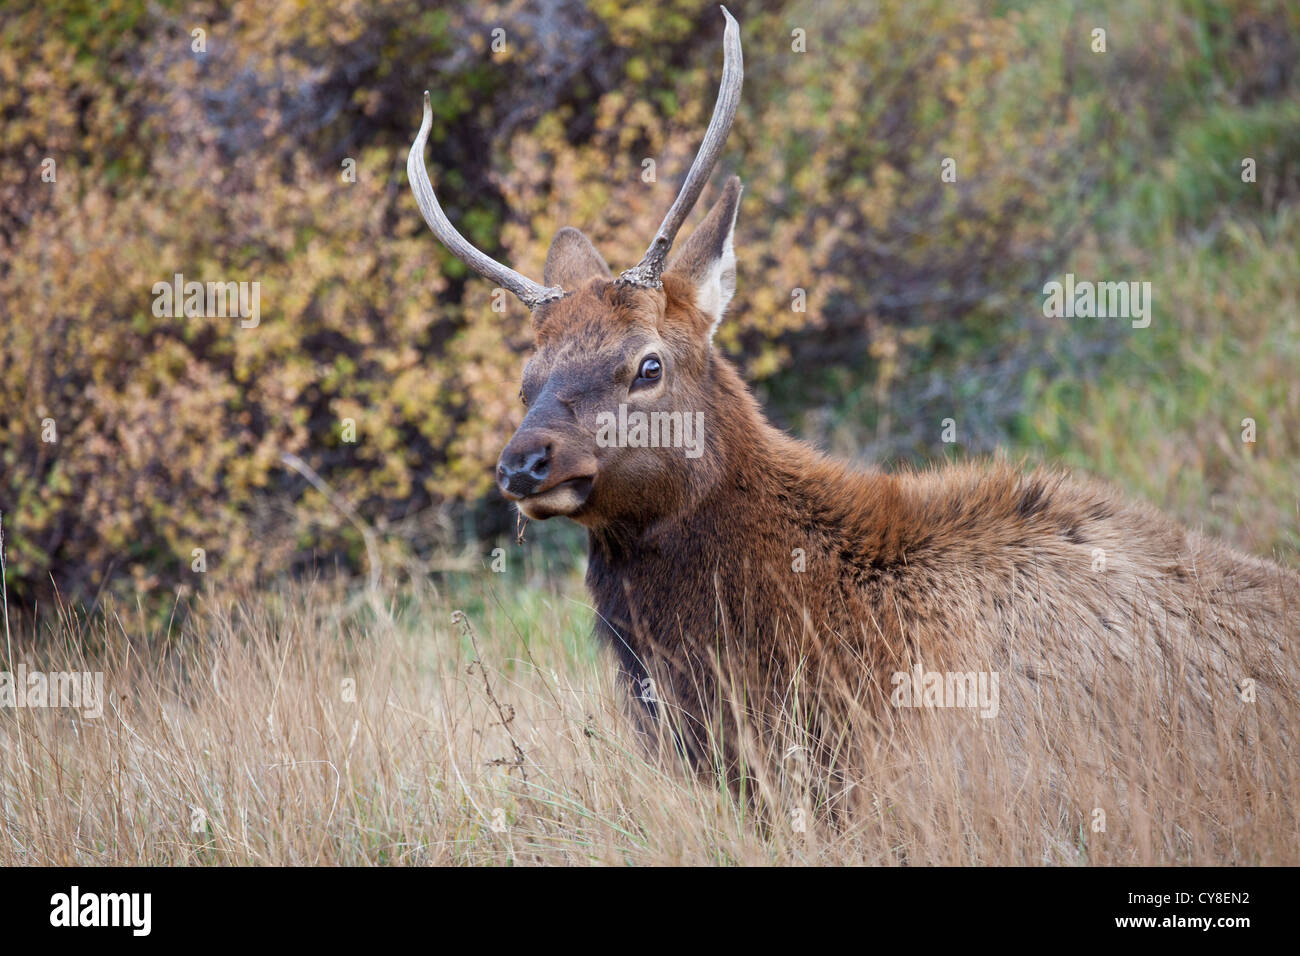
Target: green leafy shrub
(226,165)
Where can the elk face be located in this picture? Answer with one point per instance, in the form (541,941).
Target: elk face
(618,392)
(621,364)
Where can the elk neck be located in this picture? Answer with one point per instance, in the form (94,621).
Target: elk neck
(753,484)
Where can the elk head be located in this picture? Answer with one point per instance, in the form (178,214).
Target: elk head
(620,390)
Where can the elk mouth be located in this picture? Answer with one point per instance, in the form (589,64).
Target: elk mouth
(563,498)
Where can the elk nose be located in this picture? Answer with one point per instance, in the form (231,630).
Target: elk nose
(520,472)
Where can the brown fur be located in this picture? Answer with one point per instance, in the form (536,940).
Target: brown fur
(961,568)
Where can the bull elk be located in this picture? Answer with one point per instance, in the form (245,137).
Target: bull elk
(747,576)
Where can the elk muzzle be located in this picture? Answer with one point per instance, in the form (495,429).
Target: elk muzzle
(546,473)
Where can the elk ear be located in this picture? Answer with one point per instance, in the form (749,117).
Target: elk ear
(573,260)
(708,260)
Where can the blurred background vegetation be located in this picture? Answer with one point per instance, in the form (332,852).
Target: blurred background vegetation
(924,298)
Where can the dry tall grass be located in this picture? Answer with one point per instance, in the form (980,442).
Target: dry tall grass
(237,740)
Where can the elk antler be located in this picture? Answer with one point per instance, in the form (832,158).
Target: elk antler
(526,290)
(646,273)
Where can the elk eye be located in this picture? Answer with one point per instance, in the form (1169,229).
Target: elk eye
(651,369)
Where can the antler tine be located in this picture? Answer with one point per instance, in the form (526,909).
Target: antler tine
(646,273)
(526,290)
